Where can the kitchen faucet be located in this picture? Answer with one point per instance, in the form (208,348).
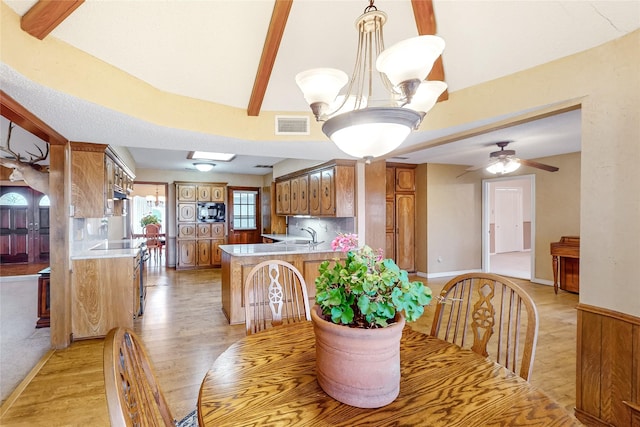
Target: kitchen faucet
(314,234)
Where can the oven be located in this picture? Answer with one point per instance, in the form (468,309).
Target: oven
(144,256)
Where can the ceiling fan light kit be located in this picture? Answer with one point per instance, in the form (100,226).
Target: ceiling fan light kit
(505,161)
(367,131)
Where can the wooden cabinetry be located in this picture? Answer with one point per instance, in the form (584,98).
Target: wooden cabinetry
(326,190)
(44,298)
(400,215)
(105,294)
(96,175)
(197,242)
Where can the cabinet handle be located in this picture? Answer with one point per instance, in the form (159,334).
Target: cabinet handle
(294,196)
(326,191)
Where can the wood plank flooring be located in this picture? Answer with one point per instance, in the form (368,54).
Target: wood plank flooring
(184,330)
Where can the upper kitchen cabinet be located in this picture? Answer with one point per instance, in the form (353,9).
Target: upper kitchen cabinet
(325,190)
(98,177)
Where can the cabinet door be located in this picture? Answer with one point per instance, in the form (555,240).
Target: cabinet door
(204,253)
(217,230)
(88,185)
(186,253)
(203,231)
(217,193)
(186,231)
(327,192)
(186,192)
(405,226)
(303,194)
(204,193)
(216,252)
(186,212)
(314,194)
(279,191)
(389,250)
(136,286)
(405,179)
(295,196)
(110,169)
(283,198)
(390,183)
(390,216)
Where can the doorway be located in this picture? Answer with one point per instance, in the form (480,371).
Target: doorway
(508,206)
(24,225)
(243,215)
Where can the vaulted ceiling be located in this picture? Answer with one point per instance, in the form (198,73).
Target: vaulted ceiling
(245,54)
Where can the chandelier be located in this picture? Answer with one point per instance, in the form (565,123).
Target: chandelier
(157,201)
(360,125)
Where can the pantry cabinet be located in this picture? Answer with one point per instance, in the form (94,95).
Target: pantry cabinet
(198,239)
(400,215)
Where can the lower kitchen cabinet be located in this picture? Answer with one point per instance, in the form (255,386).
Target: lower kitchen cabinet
(105,294)
(187,254)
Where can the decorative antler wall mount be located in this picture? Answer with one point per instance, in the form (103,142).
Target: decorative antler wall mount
(34,175)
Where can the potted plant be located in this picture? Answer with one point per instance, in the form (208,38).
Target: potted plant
(361,307)
(149,219)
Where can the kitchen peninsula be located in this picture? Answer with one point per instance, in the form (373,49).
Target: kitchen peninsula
(238,260)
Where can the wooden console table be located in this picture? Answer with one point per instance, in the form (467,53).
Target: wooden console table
(43,298)
(566,264)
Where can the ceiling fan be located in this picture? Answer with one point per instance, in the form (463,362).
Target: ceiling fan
(505,161)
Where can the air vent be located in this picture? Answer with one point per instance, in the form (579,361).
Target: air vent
(399,158)
(292,125)
(263,166)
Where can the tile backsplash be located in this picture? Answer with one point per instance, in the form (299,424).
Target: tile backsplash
(326,228)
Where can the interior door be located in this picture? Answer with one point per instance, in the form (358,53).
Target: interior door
(508,217)
(243,215)
(24,225)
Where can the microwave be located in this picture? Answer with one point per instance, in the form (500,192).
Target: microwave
(211,212)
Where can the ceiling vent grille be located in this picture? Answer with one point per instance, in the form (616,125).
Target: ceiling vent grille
(263,166)
(292,125)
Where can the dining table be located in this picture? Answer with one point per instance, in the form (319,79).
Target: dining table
(268,379)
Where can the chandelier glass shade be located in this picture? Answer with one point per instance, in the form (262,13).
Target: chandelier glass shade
(359,124)
(204,167)
(504,165)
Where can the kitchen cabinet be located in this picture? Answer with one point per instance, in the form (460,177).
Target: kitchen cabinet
(217,193)
(186,212)
(186,192)
(105,294)
(330,191)
(197,241)
(204,193)
(283,197)
(186,253)
(299,192)
(400,215)
(96,174)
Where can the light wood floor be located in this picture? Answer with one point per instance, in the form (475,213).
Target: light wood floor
(184,331)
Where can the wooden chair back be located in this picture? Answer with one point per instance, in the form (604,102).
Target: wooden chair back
(152,235)
(492,316)
(275,293)
(134,397)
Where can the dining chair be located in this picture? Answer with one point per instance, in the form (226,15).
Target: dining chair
(492,316)
(275,293)
(154,243)
(134,397)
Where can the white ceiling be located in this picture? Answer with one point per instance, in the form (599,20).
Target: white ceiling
(211,49)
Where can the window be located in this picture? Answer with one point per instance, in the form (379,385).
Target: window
(13,199)
(44,201)
(244,209)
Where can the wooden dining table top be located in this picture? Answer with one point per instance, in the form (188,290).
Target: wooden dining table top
(268,379)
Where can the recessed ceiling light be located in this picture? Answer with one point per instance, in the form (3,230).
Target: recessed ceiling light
(206,155)
(204,167)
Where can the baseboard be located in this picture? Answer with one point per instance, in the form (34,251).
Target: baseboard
(6,405)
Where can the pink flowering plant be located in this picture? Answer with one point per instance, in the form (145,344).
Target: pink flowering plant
(367,290)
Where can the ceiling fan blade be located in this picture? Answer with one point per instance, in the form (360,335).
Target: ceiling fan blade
(537,165)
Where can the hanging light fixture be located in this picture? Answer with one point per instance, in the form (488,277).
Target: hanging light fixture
(157,201)
(204,167)
(504,165)
(359,124)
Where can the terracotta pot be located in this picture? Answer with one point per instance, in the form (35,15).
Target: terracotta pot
(359,367)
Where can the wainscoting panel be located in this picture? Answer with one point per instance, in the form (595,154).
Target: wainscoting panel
(608,367)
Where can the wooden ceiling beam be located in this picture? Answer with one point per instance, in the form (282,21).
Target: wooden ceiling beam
(46,15)
(426,23)
(279,17)
(16,113)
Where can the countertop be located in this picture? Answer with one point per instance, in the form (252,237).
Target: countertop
(274,249)
(89,252)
